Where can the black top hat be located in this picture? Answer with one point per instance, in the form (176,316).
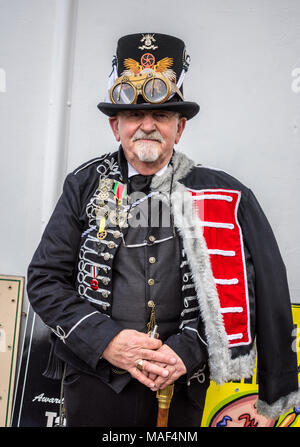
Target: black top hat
(141,58)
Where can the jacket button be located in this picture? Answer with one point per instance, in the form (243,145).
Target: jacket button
(150,282)
(152,260)
(152,238)
(151,303)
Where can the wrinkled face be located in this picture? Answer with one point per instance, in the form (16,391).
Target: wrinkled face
(147,137)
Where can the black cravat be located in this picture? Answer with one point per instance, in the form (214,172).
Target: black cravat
(140,183)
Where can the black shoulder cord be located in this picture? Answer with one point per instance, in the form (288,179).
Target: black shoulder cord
(170,201)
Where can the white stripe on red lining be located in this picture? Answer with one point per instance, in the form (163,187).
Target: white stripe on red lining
(235,336)
(226,310)
(216,251)
(211,196)
(227,281)
(229,226)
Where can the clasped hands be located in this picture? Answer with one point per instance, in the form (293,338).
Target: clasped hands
(161,365)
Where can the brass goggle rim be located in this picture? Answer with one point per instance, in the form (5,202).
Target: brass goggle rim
(140,90)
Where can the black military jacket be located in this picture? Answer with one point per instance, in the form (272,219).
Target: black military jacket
(73,252)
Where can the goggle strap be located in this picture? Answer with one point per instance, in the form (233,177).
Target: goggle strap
(175,89)
(181,78)
(111,79)
(185,68)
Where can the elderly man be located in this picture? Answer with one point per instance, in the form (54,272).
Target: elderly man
(142,239)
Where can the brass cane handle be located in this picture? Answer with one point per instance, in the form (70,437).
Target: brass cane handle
(165,396)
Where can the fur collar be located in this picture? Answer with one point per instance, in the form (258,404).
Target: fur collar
(178,168)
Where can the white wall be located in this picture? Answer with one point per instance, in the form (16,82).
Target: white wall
(55,57)
(26,37)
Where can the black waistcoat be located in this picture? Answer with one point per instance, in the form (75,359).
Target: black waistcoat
(144,277)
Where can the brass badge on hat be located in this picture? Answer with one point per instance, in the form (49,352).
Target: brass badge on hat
(148,40)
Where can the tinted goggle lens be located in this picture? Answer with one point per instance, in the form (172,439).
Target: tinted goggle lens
(123,93)
(155,90)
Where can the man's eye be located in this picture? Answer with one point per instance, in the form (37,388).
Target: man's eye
(161,115)
(135,114)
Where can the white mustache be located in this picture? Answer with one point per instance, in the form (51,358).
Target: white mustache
(141,135)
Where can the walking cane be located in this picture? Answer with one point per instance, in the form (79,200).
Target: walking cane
(164,397)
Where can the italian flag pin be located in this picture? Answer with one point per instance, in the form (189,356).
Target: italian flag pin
(120,190)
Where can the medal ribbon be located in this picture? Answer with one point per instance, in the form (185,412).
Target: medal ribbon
(120,190)
(102,232)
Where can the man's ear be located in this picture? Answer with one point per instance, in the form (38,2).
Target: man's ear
(114,124)
(180,128)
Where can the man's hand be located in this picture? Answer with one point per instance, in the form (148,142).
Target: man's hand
(175,371)
(130,346)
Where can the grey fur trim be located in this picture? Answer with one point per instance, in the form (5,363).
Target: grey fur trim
(280,406)
(222,367)
(180,167)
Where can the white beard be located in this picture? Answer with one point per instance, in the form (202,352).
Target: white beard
(147,151)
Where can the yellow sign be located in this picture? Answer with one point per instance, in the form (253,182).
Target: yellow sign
(232,404)
(11,296)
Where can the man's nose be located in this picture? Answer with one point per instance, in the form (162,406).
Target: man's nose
(148,123)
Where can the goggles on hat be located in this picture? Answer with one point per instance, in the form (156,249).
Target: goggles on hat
(154,88)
